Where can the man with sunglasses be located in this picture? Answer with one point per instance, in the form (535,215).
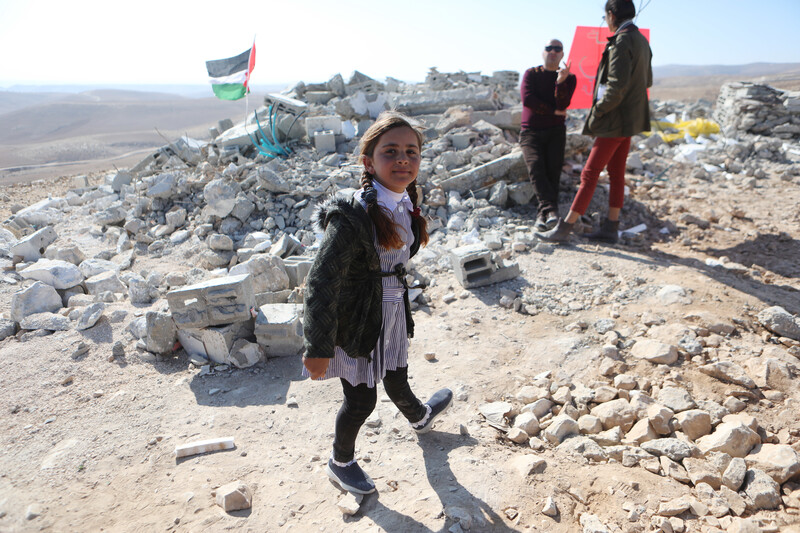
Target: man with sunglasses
(546,92)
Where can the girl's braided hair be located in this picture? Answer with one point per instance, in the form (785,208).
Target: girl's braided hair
(385,228)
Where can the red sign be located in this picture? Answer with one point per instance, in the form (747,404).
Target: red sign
(584,58)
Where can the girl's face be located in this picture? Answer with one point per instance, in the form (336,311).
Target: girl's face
(395,160)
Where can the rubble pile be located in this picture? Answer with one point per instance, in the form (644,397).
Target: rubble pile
(759,109)
(710,442)
(241,216)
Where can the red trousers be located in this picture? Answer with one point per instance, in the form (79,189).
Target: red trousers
(610,153)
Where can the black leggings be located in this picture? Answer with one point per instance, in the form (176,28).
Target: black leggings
(359,402)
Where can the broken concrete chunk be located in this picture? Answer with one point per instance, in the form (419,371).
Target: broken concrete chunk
(32,247)
(655,352)
(37,298)
(729,372)
(733,438)
(161,333)
(212,302)
(779,321)
(203,446)
(234,496)
(279,329)
(59,274)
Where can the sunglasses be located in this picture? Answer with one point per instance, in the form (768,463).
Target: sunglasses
(553,48)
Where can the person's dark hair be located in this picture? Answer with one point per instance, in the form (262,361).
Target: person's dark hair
(621,9)
(385,228)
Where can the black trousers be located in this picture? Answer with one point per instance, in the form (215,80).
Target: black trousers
(543,151)
(359,402)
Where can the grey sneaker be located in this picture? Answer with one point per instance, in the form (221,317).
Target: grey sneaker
(350,477)
(437,405)
(551,221)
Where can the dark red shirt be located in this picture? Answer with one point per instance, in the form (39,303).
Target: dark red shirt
(542,96)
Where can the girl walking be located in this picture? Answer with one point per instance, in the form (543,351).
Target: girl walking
(357,317)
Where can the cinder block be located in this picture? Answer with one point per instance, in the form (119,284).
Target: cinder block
(297,267)
(212,302)
(324,141)
(279,329)
(284,104)
(323,123)
(473,266)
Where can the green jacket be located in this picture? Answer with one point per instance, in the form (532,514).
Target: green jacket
(344,291)
(625,70)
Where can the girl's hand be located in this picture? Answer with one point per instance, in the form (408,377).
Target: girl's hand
(316,366)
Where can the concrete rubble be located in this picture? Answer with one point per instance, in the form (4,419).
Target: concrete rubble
(242,218)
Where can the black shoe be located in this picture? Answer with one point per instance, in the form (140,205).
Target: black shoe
(608,232)
(560,233)
(552,220)
(541,222)
(437,405)
(351,478)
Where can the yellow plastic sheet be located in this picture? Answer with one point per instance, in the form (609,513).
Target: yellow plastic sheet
(698,126)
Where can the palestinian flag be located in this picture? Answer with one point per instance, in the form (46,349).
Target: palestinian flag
(230,78)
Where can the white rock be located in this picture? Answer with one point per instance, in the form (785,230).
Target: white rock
(527,422)
(660,417)
(694,423)
(245,354)
(550,508)
(590,424)
(234,496)
(779,461)
(733,438)
(729,372)
(778,320)
(592,524)
(763,491)
(58,274)
(676,398)
(32,247)
(654,351)
(700,471)
(37,298)
(495,412)
(528,464)
(615,413)
(560,428)
(733,476)
(90,316)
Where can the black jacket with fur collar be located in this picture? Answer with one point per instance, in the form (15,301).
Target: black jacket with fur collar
(344,291)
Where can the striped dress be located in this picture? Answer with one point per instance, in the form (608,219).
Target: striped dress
(391,351)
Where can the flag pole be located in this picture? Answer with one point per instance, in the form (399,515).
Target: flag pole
(247,89)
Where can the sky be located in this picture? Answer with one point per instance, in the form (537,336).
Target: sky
(53,42)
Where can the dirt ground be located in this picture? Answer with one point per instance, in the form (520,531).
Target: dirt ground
(90,441)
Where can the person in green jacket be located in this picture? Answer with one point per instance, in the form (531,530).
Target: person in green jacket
(620,109)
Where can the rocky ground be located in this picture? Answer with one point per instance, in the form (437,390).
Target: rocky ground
(643,386)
